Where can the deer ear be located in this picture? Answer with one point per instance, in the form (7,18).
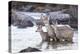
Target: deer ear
(41,16)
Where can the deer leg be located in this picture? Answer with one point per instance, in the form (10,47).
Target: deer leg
(53,39)
(69,40)
(50,40)
(41,43)
(48,43)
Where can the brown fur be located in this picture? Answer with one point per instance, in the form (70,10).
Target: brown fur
(49,28)
(62,33)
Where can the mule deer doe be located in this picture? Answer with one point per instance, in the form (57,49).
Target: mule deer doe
(44,35)
(64,32)
(50,30)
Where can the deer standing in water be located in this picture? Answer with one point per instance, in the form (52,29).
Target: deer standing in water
(44,35)
(50,30)
(61,33)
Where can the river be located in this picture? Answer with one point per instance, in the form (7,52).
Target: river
(27,37)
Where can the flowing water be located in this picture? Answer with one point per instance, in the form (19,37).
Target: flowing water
(27,37)
(23,38)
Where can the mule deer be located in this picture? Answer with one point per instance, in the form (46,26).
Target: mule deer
(64,32)
(50,30)
(44,35)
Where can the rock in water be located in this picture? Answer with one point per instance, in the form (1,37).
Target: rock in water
(30,49)
(25,24)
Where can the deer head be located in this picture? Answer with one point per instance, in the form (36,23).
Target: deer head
(39,28)
(44,19)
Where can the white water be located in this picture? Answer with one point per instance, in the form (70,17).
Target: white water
(23,38)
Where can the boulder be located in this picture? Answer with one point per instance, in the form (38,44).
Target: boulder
(21,20)
(30,49)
